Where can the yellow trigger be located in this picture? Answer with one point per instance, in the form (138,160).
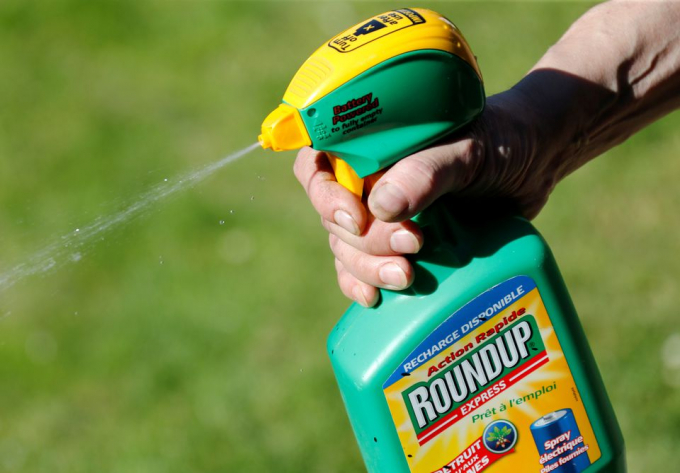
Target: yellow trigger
(346,176)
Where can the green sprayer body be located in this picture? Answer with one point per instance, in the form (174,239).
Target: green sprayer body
(482,364)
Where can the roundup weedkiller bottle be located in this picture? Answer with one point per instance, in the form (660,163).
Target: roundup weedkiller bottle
(481,365)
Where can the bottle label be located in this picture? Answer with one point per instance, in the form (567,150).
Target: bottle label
(490,390)
(375,28)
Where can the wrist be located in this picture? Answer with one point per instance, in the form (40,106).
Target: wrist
(567,111)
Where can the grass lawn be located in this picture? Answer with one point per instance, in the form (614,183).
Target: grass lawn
(193,338)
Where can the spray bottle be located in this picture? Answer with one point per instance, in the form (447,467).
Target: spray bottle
(481,365)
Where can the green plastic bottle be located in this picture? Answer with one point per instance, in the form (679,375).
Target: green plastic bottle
(482,365)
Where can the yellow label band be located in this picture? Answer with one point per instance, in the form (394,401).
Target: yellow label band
(490,390)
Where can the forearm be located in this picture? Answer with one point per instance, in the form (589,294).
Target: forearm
(616,70)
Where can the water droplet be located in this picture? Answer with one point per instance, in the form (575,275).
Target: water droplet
(252,197)
(221,222)
(75,313)
(231,211)
(77,230)
(165,180)
(301,370)
(261,178)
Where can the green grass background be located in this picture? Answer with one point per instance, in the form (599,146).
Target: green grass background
(181,344)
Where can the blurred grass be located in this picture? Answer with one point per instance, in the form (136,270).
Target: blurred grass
(182,344)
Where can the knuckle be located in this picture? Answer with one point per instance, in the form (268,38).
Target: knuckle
(426,173)
(299,165)
(471,156)
(306,167)
(360,264)
(468,148)
(376,243)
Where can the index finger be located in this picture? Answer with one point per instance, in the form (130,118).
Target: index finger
(331,200)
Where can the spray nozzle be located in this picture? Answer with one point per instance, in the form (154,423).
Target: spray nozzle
(283,129)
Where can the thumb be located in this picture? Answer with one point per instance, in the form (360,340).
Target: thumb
(413,183)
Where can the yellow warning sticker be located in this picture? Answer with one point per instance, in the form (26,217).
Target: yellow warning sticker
(375,28)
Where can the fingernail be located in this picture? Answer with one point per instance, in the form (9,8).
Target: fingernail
(346,221)
(404,242)
(393,276)
(389,200)
(359,295)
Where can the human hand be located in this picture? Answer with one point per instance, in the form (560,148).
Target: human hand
(603,81)
(492,160)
